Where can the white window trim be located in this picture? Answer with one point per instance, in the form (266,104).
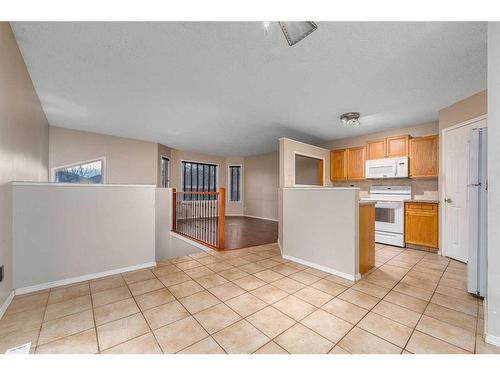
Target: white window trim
(229,183)
(168,172)
(295,153)
(103,159)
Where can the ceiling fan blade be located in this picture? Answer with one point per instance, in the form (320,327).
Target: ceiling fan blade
(296,31)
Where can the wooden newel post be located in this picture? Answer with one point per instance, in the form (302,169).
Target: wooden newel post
(222,217)
(174,209)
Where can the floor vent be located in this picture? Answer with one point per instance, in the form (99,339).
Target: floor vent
(21,349)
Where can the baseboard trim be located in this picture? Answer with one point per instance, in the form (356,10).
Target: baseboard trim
(6,303)
(323,268)
(260,217)
(72,280)
(191,242)
(493,340)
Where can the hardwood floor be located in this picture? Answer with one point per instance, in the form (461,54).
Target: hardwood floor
(246,232)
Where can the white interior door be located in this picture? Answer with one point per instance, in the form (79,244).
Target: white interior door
(455,192)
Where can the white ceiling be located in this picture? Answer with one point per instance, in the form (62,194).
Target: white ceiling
(227,88)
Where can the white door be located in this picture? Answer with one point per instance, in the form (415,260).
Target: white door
(455,192)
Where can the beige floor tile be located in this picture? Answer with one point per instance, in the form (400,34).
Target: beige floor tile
(294,307)
(69,325)
(359,341)
(268,276)
(199,272)
(106,283)
(67,307)
(145,286)
(329,287)
(71,292)
(457,293)
(153,299)
(205,346)
(420,343)
(145,344)
(16,338)
(181,259)
(483,347)
(165,270)
(285,269)
(233,274)
(271,348)
(136,276)
(174,278)
(227,291)
(237,262)
(419,283)
(360,299)
(25,303)
(219,266)
(269,293)
(216,318)
(338,350)
(450,316)
(454,335)
(345,310)
(251,268)
(410,290)
(388,329)
(267,263)
(185,289)
(304,277)
(115,311)
(190,264)
(22,322)
(270,321)
(398,313)
(118,331)
(313,296)
(371,289)
(165,314)
(110,296)
(81,343)
(327,325)
(301,340)
(199,301)
(404,300)
(179,335)
(316,272)
(240,338)
(249,282)
(211,281)
(246,304)
(454,303)
(288,285)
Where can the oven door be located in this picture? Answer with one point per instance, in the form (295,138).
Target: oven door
(389,217)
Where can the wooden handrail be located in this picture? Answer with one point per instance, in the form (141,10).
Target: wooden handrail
(174,209)
(222,217)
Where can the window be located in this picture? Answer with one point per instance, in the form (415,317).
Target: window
(234,183)
(198,177)
(83,173)
(165,172)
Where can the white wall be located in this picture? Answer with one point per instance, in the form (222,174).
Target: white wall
(319,227)
(66,231)
(493,296)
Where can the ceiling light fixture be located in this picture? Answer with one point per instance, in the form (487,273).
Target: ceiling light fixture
(294,31)
(350,118)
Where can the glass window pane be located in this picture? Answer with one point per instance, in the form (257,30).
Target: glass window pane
(87,173)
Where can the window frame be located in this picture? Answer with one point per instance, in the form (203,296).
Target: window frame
(102,159)
(240,183)
(183,161)
(164,157)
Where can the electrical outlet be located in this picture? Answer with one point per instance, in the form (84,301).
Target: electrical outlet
(1,272)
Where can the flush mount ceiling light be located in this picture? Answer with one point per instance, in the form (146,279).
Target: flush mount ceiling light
(294,31)
(350,118)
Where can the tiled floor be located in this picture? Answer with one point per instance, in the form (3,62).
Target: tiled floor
(253,301)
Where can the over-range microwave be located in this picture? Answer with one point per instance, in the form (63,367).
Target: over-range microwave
(387,168)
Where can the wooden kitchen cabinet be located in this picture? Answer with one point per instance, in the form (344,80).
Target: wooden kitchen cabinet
(424,157)
(375,149)
(356,157)
(338,165)
(397,146)
(366,237)
(421,224)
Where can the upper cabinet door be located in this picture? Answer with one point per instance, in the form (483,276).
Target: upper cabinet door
(356,157)
(424,156)
(397,146)
(376,149)
(338,165)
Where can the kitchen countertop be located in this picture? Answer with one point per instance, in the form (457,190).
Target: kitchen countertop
(423,201)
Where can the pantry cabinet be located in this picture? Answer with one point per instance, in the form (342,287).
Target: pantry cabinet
(421,224)
(424,157)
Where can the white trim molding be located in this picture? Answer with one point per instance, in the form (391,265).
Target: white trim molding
(493,340)
(191,242)
(72,280)
(260,217)
(6,304)
(323,268)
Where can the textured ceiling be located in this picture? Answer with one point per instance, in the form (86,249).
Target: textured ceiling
(227,88)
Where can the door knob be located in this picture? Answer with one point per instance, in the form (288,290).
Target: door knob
(448,200)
